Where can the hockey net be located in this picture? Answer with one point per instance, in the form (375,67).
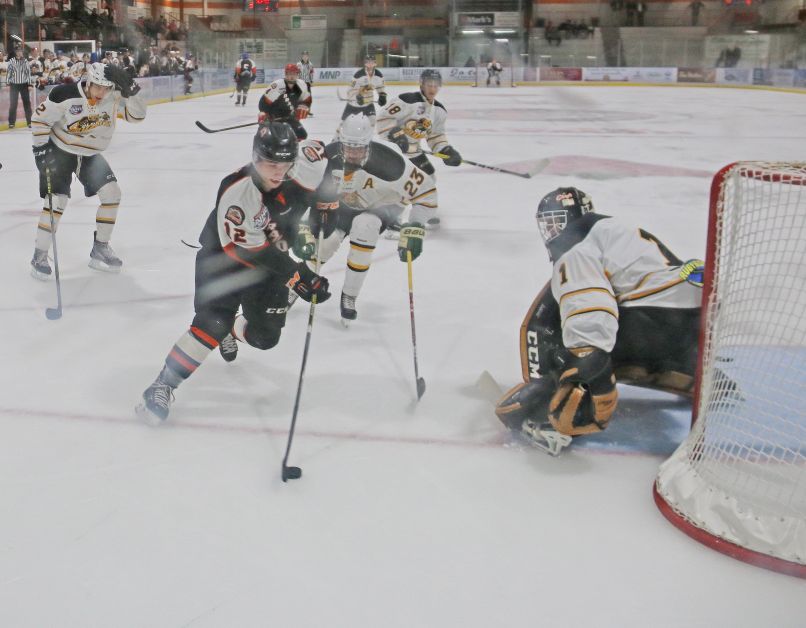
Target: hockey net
(738,482)
(505,77)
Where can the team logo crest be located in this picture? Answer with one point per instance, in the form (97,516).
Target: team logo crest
(235,215)
(76,109)
(261,219)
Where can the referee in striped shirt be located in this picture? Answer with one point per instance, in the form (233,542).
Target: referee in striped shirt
(19,82)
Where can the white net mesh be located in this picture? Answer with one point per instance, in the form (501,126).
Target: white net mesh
(741,474)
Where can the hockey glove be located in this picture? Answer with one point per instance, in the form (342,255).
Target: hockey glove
(309,285)
(587,396)
(398,136)
(453,158)
(411,239)
(305,245)
(123,82)
(302,112)
(359,100)
(382,99)
(45,157)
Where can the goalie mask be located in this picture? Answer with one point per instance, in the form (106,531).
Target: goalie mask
(560,208)
(355,135)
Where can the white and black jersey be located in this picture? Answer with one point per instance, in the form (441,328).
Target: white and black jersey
(387,179)
(305,71)
(419,119)
(365,85)
(282,96)
(257,228)
(79,125)
(600,267)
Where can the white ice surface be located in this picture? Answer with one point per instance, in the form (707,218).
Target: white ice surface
(407,514)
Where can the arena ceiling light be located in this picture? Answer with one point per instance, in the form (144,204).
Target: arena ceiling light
(472,31)
(501,39)
(503,31)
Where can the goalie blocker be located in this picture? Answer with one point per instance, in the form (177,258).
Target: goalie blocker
(620,307)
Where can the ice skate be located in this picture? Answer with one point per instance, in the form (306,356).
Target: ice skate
(40,267)
(156,403)
(228,348)
(545,437)
(102,257)
(348,311)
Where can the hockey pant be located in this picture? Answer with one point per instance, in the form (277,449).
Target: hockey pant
(364,228)
(97,178)
(222,287)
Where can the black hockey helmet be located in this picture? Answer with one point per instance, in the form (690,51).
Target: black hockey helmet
(430,75)
(274,141)
(560,208)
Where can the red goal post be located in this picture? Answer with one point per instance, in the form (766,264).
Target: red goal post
(738,482)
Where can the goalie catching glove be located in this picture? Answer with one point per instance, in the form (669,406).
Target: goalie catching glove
(411,240)
(308,285)
(124,83)
(587,395)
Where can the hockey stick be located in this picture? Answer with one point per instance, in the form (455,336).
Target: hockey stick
(295,473)
(233,91)
(347,99)
(51,312)
(478,165)
(226,128)
(419,381)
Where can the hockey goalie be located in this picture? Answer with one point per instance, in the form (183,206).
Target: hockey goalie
(620,306)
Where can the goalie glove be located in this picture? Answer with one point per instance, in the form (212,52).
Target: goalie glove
(308,285)
(587,395)
(452,156)
(304,246)
(411,240)
(398,136)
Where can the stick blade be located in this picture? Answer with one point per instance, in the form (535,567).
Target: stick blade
(202,127)
(291,473)
(53,313)
(420,388)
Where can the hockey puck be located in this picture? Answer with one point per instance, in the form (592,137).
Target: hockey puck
(291,473)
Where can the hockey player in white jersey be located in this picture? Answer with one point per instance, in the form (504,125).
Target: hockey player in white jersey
(244,262)
(70,131)
(361,95)
(371,183)
(415,116)
(620,306)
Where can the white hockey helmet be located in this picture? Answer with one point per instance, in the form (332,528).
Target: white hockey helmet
(355,135)
(96,75)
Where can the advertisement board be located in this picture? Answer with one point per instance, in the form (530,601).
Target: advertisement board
(560,74)
(736,76)
(696,75)
(773,77)
(631,75)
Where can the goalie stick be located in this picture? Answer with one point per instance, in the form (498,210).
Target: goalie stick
(226,128)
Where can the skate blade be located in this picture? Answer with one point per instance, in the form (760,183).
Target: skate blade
(40,276)
(145,415)
(103,267)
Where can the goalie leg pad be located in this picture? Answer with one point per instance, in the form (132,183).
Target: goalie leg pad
(529,400)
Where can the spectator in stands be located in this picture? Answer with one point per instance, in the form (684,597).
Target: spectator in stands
(695,7)
(640,11)
(630,6)
(552,34)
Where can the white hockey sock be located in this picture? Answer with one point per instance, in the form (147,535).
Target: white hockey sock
(43,235)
